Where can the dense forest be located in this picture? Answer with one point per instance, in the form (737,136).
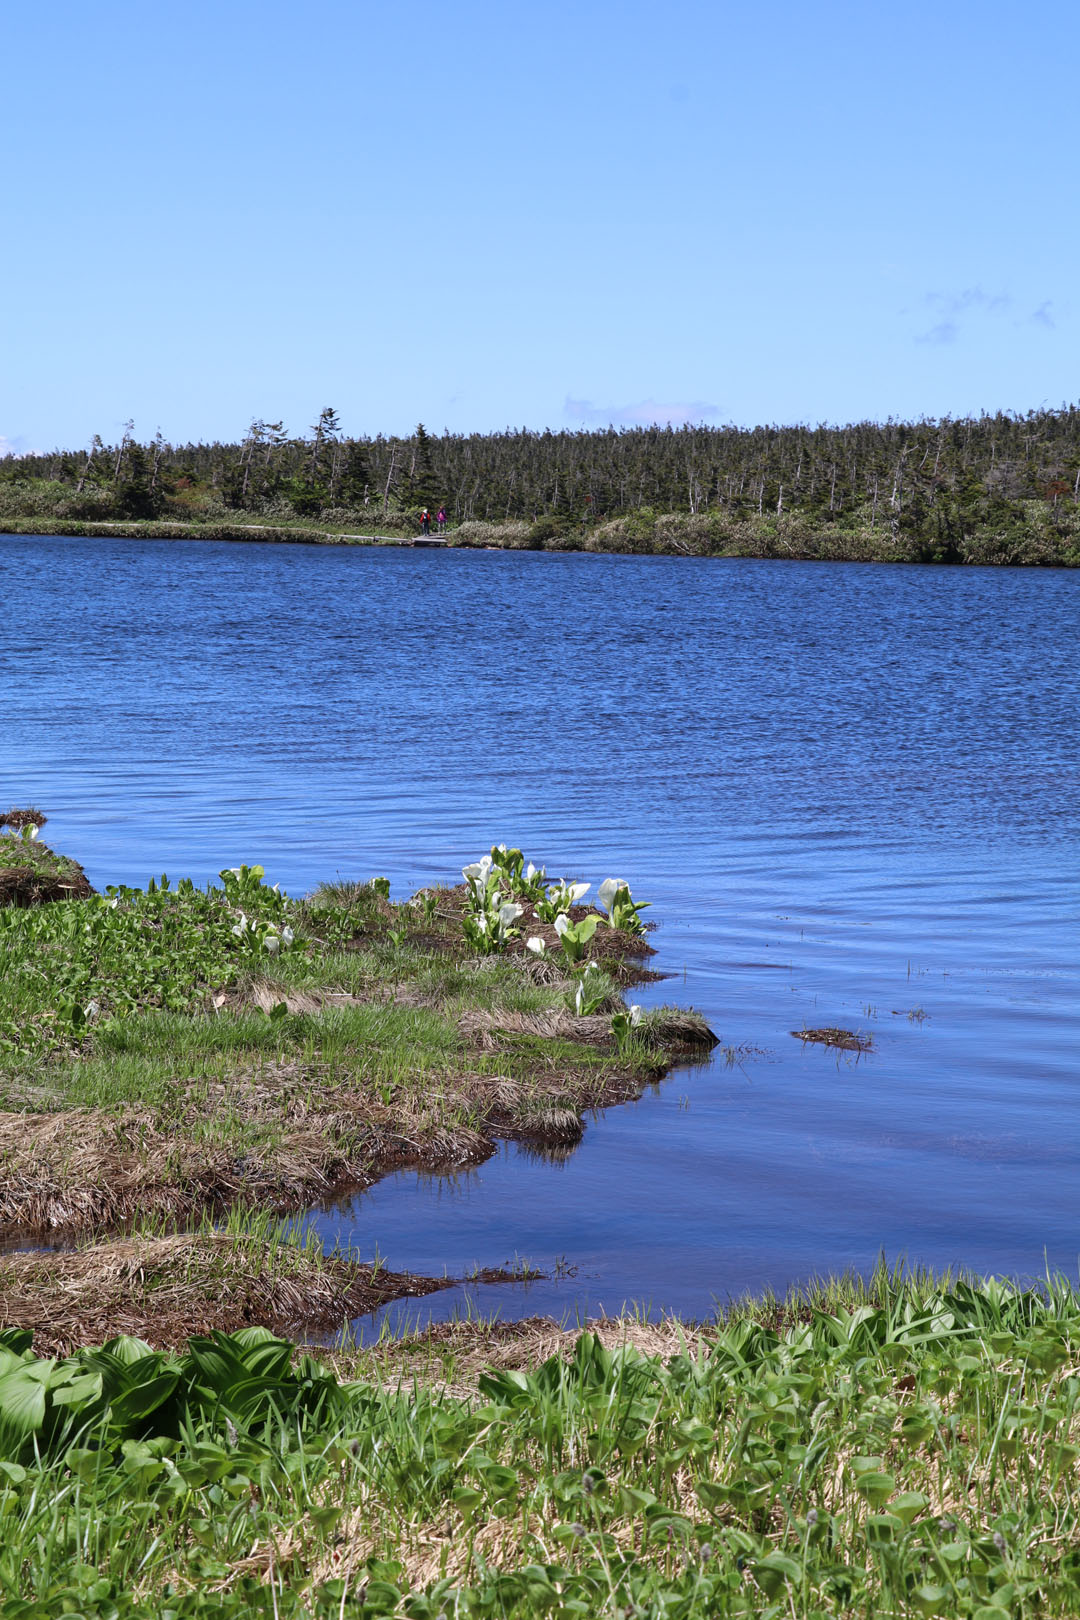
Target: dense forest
(1001,487)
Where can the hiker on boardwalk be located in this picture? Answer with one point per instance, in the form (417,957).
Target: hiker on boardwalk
(425,521)
(440,519)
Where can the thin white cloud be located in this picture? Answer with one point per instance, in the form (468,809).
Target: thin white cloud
(16,447)
(646,413)
(1043,315)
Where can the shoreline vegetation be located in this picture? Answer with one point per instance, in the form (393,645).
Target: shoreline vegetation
(181,1066)
(172,1056)
(997,489)
(672,534)
(901,1447)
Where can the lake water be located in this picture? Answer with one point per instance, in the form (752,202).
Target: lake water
(851,792)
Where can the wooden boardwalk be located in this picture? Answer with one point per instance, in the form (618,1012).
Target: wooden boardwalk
(399,540)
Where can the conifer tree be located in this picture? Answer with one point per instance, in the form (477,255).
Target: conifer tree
(324,432)
(354,483)
(420,488)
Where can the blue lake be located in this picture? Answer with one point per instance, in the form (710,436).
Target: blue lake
(851,792)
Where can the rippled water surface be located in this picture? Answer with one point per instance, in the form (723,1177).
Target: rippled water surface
(851,792)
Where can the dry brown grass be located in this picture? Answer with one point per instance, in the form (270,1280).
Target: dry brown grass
(667,1030)
(264,995)
(86,1169)
(467,1349)
(555,1024)
(279,1137)
(23,818)
(164,1289)
(849,1040)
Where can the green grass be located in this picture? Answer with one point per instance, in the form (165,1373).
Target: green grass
(901,1447)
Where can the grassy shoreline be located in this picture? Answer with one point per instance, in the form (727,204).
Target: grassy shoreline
(905,1445)
(169,1055)
(900,1448)
(644,534)
(166,1288)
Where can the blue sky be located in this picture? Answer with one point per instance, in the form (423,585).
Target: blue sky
(478,214)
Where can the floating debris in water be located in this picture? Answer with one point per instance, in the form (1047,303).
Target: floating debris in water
(848,1039)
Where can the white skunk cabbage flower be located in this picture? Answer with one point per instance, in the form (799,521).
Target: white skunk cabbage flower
(32,834)
(477,871)
(636,1015)
(562,923)
(509,913)
(240,928)
(536,945)
(608,890)
(577,892)
(272,943)
(287,937)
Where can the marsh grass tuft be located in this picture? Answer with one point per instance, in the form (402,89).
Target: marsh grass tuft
(32,874)
(28,817)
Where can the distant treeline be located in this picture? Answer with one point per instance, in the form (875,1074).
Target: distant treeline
(1001,488)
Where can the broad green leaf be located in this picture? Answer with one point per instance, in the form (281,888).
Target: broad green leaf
(877,1488)
(22,1399)
(127,1349)
(79,1391)
(909,1505)
(773,1570)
